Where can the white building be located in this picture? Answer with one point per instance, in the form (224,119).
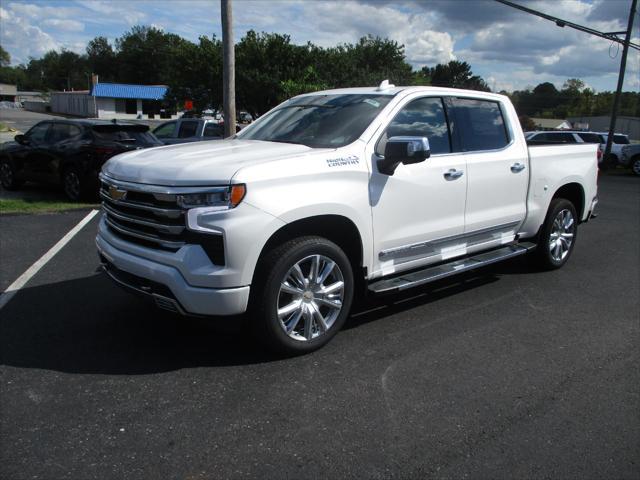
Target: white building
(111,100)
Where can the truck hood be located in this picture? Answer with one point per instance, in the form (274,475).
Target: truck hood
(199,163)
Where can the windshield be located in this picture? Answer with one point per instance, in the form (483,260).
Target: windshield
(320,121)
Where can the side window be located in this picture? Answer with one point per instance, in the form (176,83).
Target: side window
(565,138)
(62,131)
(479,124)
(213,130)
(424,117)
(187,129)
(38,133)
(590,137)
(165,131)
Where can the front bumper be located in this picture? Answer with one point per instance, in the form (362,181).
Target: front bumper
(166,285)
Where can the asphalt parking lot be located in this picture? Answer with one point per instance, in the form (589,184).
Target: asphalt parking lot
(504,373)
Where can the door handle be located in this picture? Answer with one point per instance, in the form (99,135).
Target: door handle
(453,174)
(517,167)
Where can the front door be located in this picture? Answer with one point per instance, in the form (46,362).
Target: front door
(418,212)
(35,152)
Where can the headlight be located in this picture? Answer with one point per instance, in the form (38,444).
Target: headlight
(225,197)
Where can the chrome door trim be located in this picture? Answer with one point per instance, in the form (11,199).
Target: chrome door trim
(419,248)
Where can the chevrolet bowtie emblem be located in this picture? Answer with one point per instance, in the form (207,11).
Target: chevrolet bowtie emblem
(116,193)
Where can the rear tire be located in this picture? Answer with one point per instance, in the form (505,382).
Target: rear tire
(557,235)
(634,164)
(301,295)
(8,178)
(79,187)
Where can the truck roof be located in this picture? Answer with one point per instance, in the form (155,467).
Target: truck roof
(393,90)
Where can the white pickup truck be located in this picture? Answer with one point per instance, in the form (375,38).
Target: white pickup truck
(335,193)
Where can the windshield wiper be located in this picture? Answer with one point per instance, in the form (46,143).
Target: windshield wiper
(283,141)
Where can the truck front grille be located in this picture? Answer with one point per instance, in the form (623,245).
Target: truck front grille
(153,220)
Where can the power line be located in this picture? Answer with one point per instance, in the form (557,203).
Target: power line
(613,36)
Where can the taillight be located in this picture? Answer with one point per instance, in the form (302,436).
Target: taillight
(104,151)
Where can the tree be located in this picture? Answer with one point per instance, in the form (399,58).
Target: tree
(455,74)
(101,59)
(526,123)
(5,58)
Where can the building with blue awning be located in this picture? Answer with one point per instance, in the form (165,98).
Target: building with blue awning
(112,100)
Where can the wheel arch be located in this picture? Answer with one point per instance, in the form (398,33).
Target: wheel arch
(574,192)
(336,228)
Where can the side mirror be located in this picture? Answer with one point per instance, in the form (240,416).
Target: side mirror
(21,139)
(405,150)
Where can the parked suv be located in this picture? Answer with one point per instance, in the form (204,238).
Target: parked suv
(68,152)
(188,130)
(630,157)
(619,142)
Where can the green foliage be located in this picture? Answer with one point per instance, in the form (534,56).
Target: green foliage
(455,74)
(270,69)
(574,100)
(5,58)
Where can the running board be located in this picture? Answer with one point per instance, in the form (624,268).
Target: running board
(431,274)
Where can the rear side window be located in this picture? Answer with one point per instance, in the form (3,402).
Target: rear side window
(621,139)
(132,136)
(424,117)
(590,137)
(479,125)
(187,129)
(213,130)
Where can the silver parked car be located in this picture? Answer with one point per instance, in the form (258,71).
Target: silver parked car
(187,130)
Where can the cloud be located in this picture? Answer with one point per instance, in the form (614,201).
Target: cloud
(64,25)
(23,40)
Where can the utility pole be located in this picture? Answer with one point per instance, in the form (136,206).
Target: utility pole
(623,66)
(228,70)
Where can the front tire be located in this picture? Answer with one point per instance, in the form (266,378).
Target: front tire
(557,235)
(302,295)
(8,178)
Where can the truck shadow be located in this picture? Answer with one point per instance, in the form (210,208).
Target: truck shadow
(88,325)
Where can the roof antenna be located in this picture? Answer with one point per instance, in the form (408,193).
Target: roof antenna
(385,85)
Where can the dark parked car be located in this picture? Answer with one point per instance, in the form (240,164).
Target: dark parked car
(186,130)
(69,153)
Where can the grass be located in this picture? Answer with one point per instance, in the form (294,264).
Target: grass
(39,206)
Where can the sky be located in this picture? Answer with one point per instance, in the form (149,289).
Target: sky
(508,48)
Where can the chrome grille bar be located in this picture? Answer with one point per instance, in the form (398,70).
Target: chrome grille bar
(165,212)
(171,229)
(143,236)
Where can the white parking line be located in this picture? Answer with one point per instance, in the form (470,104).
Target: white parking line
(42,261)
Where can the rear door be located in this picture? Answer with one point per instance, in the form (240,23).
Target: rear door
(497,166)
(213,131)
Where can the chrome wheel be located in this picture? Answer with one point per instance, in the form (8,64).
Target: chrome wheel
(562,233)
(635,167)
(310,297)
(6,174)
(72,185)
